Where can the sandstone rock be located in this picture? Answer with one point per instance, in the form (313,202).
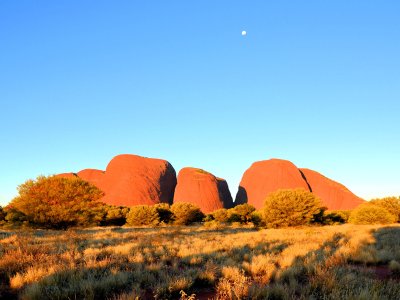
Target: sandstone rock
(67,175)
(202,189)
(134,180)
(264,177)
(93,176)
(333,194)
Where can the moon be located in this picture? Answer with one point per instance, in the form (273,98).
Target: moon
(244,33)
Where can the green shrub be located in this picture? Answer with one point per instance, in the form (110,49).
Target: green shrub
(334,217)
(55,202)
(115,215)
(220,215)
(257,218)
(186,213)
(291,208)
(391,204)
(2,214)
(241,213)
(164,213)
(14,216)
(142,215)
(371,214)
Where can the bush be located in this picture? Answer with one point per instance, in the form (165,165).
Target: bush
(2,214)
(241,213)
(371,214)
(115,215)
(186,213)
(391,204)
(291,208)
(142,215)
(164,213)
(14,217)
(334,217)
(220,215)
(257,218)
(55,202)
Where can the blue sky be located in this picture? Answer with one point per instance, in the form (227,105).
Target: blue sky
(314,82)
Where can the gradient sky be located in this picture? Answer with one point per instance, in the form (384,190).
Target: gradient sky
(314,82)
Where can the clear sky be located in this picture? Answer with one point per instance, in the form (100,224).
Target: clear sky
(314,82)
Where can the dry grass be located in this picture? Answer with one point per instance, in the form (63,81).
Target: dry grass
(331,262)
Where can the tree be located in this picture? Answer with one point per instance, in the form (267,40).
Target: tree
(291,208)
(140,215)
(391,204)
(371,214)
(55,202)
(186,213)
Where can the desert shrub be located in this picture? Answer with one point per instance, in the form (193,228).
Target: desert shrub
(142,215)
(186,213)
(394,267)
(55,202)
(220,215)
(257,218)
(164,213)
(241,213)
(2,214)
(14,217)
(115,215)
(334,217)
(391,204)
(291,208)
(371,214)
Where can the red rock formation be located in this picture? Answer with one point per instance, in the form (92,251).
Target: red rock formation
(67,175)
(264,177)
(93,176)
(333,194)
(202,189)
(133,180)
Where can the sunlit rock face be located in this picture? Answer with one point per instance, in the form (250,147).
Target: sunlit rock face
(92,175)
(202,189)
(265,177)
(334,195)
(133,180)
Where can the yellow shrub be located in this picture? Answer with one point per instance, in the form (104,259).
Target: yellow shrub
(371,214)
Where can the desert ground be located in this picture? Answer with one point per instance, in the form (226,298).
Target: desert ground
(199,262)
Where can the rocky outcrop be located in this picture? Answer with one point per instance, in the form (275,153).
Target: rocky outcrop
(132,180)
(202,189)
(333,194)
(93,176)
(67,175)
(267,176)
(264,177)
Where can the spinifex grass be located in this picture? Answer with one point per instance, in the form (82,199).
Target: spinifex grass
(331,262)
